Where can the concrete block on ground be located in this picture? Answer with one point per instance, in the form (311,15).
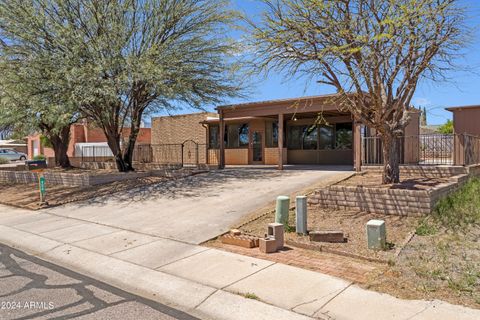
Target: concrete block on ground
(326,236)
(277,231)
(267,245)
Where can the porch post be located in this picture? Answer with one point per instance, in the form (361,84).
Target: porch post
(221,163)
(280,141)
(357,146)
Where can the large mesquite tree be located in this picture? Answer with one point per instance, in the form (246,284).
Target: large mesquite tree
(125,58)
(34,93)
(373,52)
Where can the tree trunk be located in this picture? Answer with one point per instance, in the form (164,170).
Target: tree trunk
(113,140)
(132,139)
(391,159)
(60,144)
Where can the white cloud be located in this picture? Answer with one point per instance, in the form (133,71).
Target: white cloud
(422,102)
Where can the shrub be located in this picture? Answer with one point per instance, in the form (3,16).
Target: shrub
(4,161)
(39,157)
(461,208)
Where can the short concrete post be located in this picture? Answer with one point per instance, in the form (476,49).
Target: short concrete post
(277,231)
(301,214)
(281,211)
(376,234)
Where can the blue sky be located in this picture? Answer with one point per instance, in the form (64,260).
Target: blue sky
(464,90)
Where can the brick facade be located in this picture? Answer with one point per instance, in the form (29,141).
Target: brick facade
(180,128)
(81,133)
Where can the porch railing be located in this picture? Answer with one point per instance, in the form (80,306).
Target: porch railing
(427,149)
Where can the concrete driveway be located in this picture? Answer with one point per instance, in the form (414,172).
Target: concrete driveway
(197,208)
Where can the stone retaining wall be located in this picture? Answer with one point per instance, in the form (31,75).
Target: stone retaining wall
(384,200)
(424,171)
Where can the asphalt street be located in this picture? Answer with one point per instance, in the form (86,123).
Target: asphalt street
(31,288)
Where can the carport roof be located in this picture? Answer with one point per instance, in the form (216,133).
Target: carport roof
(278,101)
(463,107)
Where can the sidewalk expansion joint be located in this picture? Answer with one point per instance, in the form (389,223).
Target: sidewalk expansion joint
(186,257)
(248,276)
(206,298)
(331,299)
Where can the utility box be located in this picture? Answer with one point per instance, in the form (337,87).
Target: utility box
(376,235)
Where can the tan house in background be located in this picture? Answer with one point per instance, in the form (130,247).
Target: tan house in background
(306,130)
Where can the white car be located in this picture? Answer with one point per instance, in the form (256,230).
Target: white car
(12,155)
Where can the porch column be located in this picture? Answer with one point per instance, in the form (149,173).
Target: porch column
(280,141)
(357,145)
(221,163)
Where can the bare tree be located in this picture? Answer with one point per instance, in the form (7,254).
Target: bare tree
(373,52)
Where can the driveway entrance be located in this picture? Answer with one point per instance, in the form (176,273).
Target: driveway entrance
(197,208)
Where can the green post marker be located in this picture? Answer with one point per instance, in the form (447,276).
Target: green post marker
(41,180)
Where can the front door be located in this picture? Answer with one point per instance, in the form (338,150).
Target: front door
(256,147)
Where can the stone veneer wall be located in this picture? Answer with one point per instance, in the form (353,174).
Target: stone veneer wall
(424,171)
(391,201)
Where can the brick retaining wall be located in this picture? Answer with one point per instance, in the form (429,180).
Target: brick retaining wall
(383,200)
(424,171)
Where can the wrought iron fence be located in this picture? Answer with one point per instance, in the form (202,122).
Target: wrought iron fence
(424,149)
(188,153)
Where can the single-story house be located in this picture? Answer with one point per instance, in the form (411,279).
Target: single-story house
(80,133)
(306,130)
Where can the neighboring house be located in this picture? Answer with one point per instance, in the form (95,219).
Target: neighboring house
(308,130)
(81,134)
(18,145)
(466,128)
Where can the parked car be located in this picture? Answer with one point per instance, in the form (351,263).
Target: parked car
(12,155)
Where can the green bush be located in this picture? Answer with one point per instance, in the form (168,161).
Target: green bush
(461,208)
(39,157)
(4,161)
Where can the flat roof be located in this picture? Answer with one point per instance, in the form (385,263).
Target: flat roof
(462,107)
(275,101)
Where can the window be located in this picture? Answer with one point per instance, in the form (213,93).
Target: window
(272,135)
(326,141)
(243,135)
(236,136)
(310,137)
(213,141)
(343,136)
(294,140)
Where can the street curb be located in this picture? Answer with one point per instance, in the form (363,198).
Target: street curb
(188,296)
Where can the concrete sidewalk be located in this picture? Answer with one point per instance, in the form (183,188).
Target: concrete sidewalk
(205,282)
